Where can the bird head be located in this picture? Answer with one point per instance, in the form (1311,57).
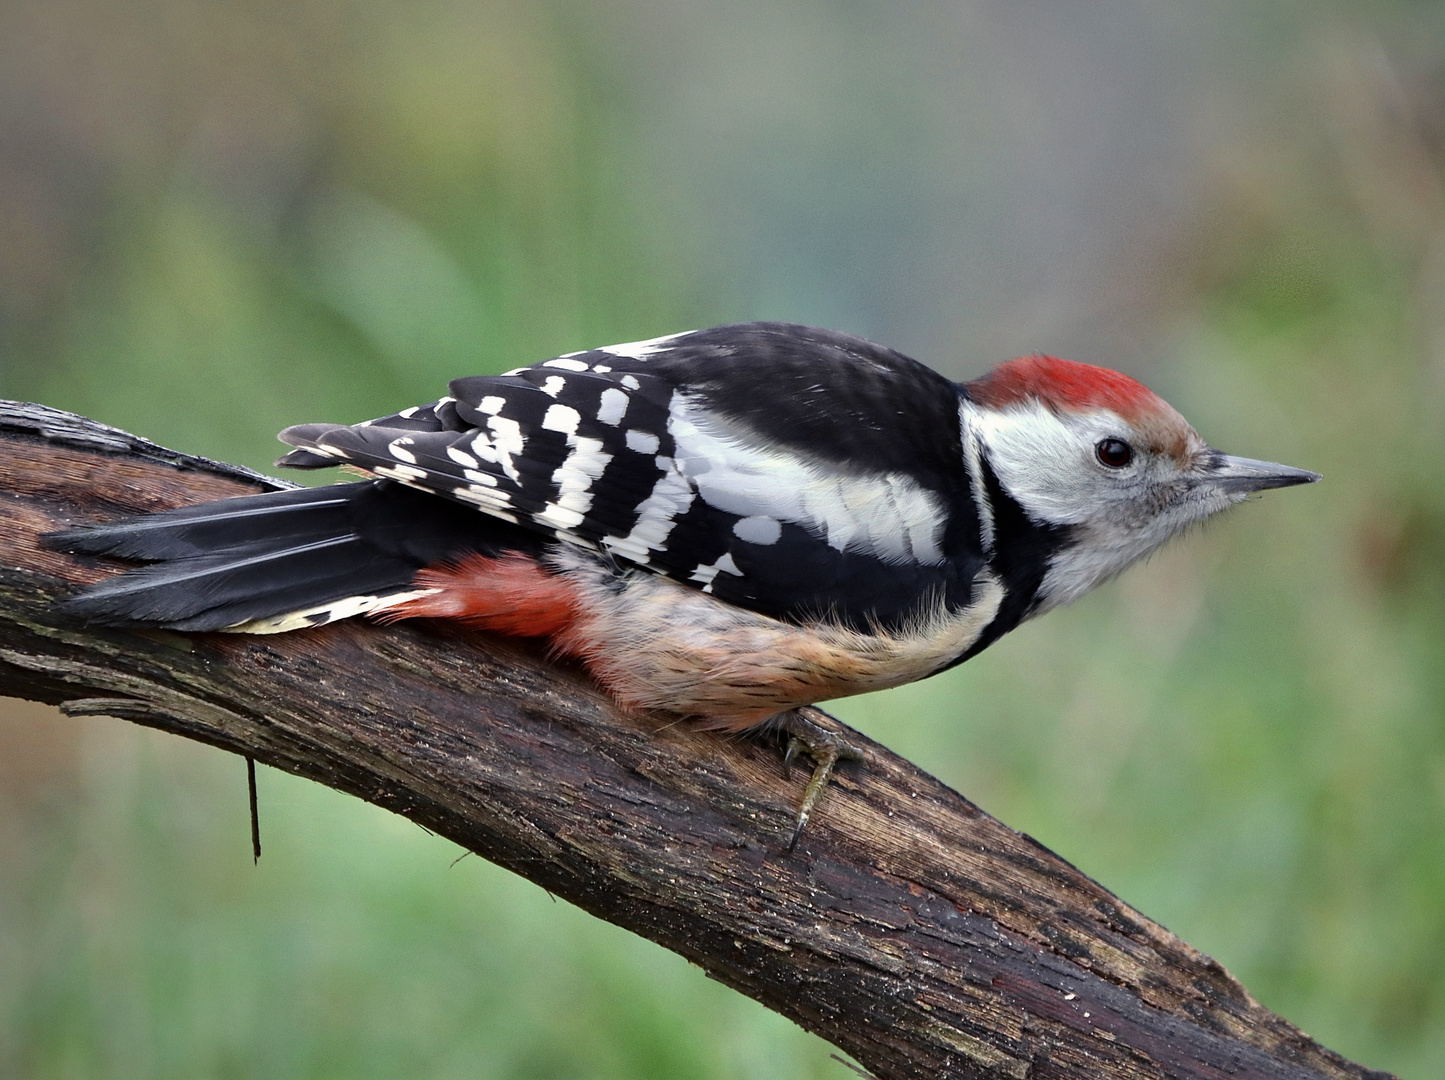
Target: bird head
(1102,463)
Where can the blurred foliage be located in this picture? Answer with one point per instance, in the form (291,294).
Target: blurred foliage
(216,221)
(319,209)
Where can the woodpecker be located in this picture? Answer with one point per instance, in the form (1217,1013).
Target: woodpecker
(728,524)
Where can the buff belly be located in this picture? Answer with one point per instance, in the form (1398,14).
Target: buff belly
(657,644)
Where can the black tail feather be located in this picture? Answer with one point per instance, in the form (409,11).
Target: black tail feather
(215,565)
(214,526)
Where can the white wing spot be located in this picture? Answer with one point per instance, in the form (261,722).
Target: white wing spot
(573,478)
(642,442)
(602,369)
(553,384)
(641,350)
(621,546)
(506,440)
(630,381)
(705,574)
(559,516)
(397,449)
(407,414)
(613,406)
(462,458)
(758,529)
(566,364)
(491,404)
(487,499)
(404,473)
(561,418)
(656,515)
(485,449)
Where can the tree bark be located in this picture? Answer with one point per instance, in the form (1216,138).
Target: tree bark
(908,928)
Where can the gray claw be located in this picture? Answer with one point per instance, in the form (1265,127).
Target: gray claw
(826,748)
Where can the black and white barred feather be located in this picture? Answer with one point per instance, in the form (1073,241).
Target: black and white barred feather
(796,472)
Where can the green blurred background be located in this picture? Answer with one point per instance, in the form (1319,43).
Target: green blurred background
(220,219)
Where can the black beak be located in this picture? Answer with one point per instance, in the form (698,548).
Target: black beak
(1242,475)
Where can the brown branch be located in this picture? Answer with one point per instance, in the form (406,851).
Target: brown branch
(909,928)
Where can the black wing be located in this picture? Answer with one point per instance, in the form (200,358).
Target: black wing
(793,471)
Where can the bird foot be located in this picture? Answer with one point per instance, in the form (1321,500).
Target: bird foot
(826,748)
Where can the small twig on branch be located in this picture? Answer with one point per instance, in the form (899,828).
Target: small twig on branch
(255,811)
(909,929)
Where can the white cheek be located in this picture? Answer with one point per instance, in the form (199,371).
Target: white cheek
(1044,461)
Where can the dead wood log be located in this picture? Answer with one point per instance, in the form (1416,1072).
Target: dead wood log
(909,928)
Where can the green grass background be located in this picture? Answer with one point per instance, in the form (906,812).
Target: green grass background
(219,220)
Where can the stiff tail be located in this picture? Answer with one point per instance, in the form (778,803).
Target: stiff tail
(282,560)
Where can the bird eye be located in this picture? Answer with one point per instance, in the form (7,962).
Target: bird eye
(1115,453)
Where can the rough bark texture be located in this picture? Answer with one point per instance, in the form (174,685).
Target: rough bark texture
(909,928)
